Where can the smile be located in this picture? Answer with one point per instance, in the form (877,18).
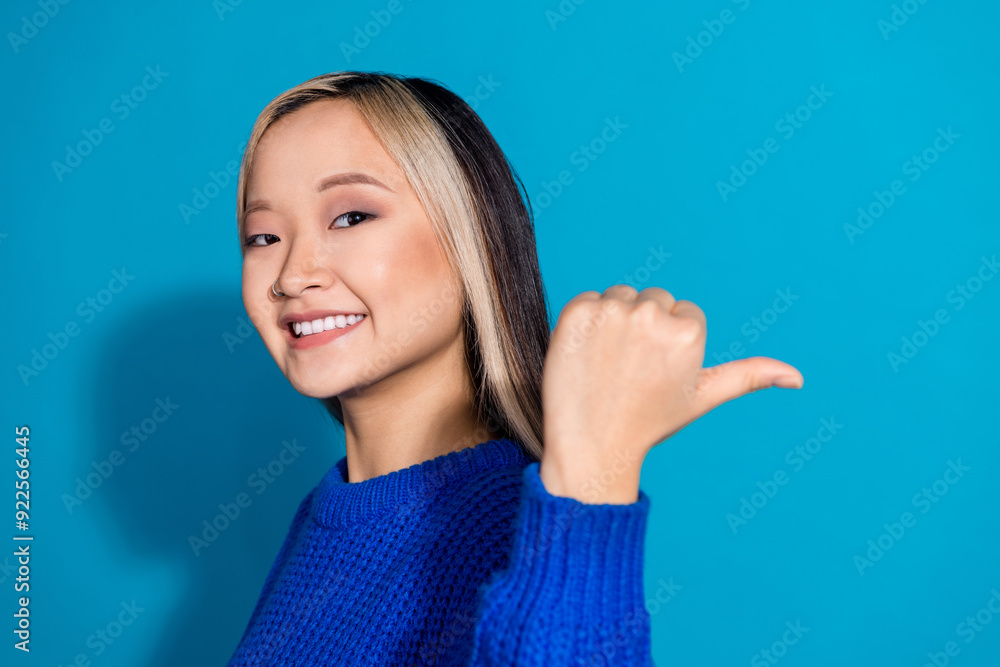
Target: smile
(318,326)
(313,333)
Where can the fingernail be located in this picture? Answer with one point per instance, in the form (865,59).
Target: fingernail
(787,382)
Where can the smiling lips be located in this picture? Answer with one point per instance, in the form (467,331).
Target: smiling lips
(319,325)
(314,328)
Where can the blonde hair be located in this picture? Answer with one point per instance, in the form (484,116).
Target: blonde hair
(469,191)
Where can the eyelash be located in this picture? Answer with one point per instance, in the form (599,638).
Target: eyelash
(250,242)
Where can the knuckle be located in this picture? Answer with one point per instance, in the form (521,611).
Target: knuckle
(690,305)
(647,312)
(577,308)
(752,380)
(687,329)
(609,307)
(582,297)
(661,291)
(621,289)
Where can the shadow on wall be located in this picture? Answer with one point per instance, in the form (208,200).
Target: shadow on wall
(202,416)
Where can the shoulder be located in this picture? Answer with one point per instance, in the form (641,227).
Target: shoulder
(481,506)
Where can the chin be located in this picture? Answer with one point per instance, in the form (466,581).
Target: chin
(315,387)
(323,378)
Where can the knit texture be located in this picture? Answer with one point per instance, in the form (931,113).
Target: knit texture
(465,559)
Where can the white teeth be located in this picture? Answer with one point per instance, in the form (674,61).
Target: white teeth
(325,324)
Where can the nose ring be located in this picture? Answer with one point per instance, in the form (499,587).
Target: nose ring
(274,292)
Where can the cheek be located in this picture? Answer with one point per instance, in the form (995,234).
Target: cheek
(255,299)
(415,273)
(424,259)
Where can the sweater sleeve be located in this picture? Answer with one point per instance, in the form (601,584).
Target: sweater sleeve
(572,592)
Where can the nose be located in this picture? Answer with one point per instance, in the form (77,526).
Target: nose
(306,266)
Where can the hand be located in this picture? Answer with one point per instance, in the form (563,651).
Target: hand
(623,372)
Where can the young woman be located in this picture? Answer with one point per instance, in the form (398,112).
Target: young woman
(389,265)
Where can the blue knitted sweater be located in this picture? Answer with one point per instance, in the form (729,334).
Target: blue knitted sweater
(464,559)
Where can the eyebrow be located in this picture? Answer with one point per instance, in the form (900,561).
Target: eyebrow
(347,178)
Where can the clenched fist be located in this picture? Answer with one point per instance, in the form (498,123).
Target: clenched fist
(624,372)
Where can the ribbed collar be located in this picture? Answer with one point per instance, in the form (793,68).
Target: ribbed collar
(338,503)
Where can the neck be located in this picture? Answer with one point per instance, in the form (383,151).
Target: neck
(412,416)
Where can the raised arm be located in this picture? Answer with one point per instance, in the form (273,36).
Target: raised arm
(623,373)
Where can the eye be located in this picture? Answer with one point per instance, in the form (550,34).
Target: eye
(253,238)
(350,219)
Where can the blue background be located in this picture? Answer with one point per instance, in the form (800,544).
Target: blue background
(177,330)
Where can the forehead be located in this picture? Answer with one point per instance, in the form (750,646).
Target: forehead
(320,139)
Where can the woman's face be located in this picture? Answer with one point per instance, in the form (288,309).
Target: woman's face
(333,219)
